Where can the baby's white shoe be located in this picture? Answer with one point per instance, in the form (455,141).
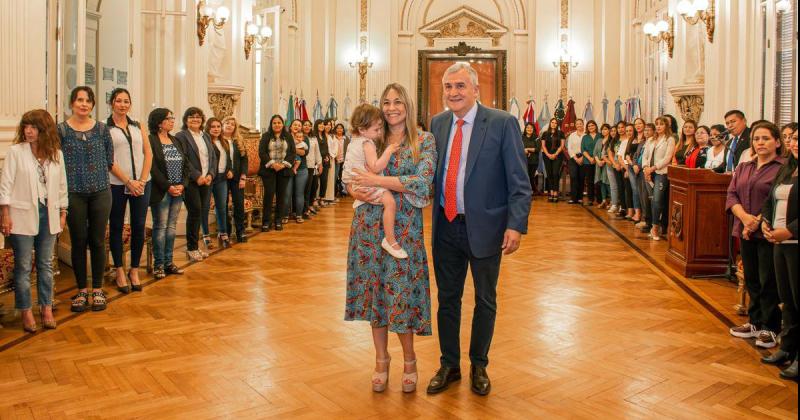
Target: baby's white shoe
(397,253)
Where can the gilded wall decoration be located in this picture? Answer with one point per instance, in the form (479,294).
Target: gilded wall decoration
(222,104)
(464,22)
(690,106)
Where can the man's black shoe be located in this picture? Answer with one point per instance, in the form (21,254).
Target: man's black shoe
(444,376)
(479,380)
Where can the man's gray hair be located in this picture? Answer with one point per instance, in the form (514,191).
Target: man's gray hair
(462,65)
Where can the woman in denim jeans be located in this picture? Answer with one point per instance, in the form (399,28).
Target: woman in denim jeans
(33,210)
(170,174)
(219,187)
(297,185)
(663,152)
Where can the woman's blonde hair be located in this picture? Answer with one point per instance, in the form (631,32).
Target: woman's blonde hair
(411,137)
(236,136)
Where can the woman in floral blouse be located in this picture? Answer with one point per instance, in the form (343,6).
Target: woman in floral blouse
(88,156)
(394,295)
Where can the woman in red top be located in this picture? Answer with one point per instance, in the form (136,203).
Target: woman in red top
(696,156)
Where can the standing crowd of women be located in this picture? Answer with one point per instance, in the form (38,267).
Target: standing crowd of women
(623,169)
(300,170)
(87,175)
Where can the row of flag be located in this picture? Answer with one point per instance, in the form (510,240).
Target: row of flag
(296,108)
(627,110)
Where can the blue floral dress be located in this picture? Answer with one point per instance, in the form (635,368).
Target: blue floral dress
(380,289)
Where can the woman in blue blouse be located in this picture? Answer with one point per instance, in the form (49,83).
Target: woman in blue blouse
(88,156)
(170,176)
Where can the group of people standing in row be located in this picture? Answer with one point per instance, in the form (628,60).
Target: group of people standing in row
(86,174)
(301,169)
(623,168)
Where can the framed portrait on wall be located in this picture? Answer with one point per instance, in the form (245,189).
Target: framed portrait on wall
(492,77)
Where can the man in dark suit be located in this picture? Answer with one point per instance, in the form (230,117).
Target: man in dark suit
(738,138)
(481,205)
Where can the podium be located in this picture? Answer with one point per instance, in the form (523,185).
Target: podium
(698,226)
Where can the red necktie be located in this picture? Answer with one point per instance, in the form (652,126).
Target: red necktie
(451,180)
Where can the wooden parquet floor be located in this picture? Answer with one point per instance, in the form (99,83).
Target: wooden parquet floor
(586,328)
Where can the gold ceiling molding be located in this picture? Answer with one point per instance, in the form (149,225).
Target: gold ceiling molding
(464,22)
(411,10)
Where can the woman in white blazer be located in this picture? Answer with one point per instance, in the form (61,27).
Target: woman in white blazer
(33,210)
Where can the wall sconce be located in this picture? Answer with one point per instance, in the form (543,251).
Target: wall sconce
(661,31)
(207,15)
(697,11)
(362,66)
(564,63)
(255,33)
(783,6)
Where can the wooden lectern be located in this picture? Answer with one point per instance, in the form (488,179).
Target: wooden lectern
(698,226)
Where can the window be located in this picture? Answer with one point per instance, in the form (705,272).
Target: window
(786,65)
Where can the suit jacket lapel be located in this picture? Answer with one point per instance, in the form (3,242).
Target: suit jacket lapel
(442,137)
(476,141)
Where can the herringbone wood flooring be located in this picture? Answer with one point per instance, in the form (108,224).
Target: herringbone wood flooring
(586,329)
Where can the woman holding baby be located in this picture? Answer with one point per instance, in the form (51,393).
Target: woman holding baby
(392,293)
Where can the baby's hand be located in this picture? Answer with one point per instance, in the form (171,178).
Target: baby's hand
(393,147)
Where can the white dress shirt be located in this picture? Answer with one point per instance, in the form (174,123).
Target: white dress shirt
(574,144)
(202,151)
(466,136)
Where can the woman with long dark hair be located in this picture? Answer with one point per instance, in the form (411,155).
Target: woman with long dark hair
(532,149)
(552,146)
(686,142)
(130,183)
(340,135)
(329,193)
(31,218)
(611,143)
(632,171)
(780,228)
(202,169)
(170,177)
(750,187)
(322,140)
(314,164)
(88,156)
(620,169)
(277,153)
(601,174)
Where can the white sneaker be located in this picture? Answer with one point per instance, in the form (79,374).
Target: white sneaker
(203,254)
(640,224)
(194,256)
(397,253)
(747,330)
(766,339)
(613,209)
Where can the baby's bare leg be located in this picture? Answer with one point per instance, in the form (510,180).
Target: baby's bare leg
(389,212)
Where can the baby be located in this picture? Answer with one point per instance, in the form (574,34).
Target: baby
(362,153)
